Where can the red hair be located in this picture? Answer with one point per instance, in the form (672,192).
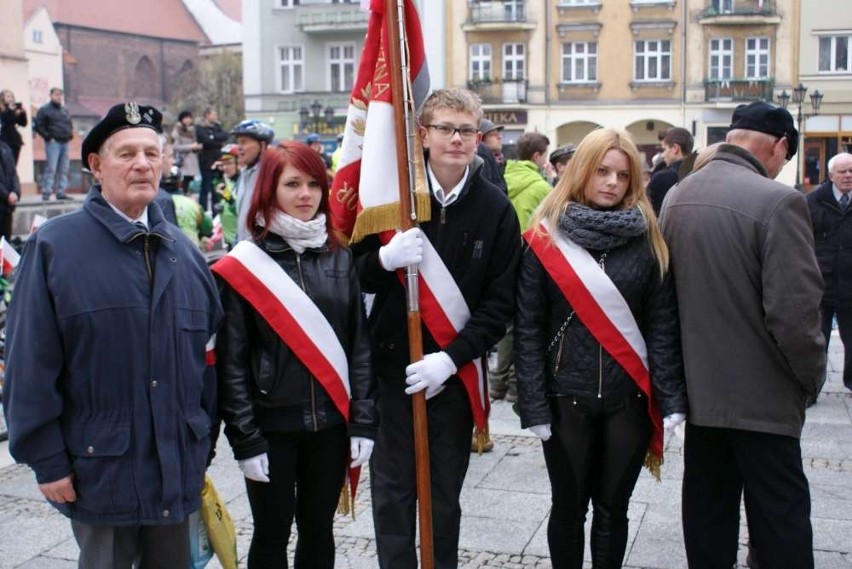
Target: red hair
(264,201)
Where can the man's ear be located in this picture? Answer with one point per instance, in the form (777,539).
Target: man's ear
(423,132)
(95,165)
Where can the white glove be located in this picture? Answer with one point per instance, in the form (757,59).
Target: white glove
(361,449)
(402,250)
(255,468)
(673,420)
(541,431)
(430,373)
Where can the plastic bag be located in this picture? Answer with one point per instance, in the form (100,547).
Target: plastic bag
(200,552)
(220,526)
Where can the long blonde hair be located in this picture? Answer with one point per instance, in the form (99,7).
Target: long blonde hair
(572,185)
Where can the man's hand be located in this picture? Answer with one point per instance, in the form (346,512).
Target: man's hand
(12,200)
(402,250)
(60,491)
(430,373)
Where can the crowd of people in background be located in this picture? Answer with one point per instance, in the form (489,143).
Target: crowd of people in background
(594,273)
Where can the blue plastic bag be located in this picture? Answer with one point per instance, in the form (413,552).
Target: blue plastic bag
(200,551)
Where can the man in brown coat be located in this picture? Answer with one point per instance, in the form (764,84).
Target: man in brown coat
(748,290)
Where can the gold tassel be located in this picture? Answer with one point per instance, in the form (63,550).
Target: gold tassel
(654,463)
(384,217)
(483,436)
(345,504)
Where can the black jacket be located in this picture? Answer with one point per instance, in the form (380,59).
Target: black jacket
(8,176)
(833,242)
(53,122)
(9,121)
(581,366)
(478,238)
(263,386)
(211,136)
(660,184)
(491,170)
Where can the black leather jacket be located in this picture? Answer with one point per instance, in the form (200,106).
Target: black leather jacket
(263,386)
(577,365)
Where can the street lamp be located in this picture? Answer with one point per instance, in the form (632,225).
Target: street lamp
(316,116)
(798,98)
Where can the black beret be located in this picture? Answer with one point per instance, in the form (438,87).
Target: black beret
(769,119)
(183,114)
(561,152)
(120,117)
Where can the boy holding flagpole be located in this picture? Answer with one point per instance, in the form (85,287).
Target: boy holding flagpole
(467,255)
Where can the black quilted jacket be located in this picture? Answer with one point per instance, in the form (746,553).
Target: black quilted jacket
(577,365)
(263,387)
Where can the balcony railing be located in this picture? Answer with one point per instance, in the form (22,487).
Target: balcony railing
(497,11)
(331,18)
(738,89)
(739,8)
(505,91)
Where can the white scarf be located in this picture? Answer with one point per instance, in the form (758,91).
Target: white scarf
(300,235)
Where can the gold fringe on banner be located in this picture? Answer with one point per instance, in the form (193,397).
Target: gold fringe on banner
(654,463)
(346,503)
(385,217)
(482,436)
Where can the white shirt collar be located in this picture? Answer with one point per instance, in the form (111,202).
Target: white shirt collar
(837,193)
(143,218)
(446,198)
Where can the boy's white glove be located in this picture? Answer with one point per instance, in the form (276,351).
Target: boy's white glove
(255,468)
(673,420)
(402,250)
(541,431)
(361,449)
(430,373)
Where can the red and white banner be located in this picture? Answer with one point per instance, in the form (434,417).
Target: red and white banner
(365,192)
(38,220)
(601,308)
(9,258)
(293,316)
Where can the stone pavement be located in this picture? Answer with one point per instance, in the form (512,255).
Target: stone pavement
(505,502)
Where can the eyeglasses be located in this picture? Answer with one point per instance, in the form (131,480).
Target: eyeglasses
(447,131)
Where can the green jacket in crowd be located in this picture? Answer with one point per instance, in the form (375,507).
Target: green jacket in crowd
(527,187)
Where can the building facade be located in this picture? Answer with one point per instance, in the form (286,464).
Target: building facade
(825,66)
(14,75)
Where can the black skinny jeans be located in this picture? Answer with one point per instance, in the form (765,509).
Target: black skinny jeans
(306,472)
(596,452)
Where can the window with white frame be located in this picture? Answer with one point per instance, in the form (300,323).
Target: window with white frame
(292,66)
(513,61)
(579,62)
(652,60)
(723,6)
(835,54)
(721,58)
(480,62)
(341,67)
(757,58)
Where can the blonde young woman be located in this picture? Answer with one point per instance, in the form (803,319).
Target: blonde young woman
(597,354)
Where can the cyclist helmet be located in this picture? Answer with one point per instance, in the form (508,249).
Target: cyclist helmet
(255,129)
(230,151)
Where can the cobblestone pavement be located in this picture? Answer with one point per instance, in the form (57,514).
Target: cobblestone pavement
(505,502)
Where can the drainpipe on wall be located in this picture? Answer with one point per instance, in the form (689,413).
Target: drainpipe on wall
(683,16)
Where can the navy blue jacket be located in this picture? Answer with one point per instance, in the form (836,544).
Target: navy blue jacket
(106,374)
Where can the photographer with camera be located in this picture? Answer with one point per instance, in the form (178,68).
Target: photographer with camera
(12,115)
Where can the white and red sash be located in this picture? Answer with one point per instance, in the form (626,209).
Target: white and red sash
(445,313)
(293,316)
(601,308)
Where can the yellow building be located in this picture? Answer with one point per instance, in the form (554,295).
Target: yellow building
(565,67)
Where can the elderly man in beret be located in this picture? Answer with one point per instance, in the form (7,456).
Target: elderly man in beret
(110,393)
(748,289)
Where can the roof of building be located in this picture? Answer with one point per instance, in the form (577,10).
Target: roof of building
(156,18)
(218,26)
(232,8)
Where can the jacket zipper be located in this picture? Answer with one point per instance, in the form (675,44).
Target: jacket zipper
(148,270)
(313,387)
(601,262)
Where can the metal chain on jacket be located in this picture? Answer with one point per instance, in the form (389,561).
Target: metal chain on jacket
(561,332)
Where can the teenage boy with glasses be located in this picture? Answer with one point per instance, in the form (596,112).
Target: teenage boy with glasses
(475,232)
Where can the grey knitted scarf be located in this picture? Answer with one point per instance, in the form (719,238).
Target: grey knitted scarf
(600,229)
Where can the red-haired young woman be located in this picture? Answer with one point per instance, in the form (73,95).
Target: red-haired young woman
(296,389)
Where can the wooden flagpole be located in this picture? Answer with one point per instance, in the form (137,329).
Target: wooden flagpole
(402,104)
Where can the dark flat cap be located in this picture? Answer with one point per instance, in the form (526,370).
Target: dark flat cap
(120,117)
(769,119)
(561,152)
(486,126)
